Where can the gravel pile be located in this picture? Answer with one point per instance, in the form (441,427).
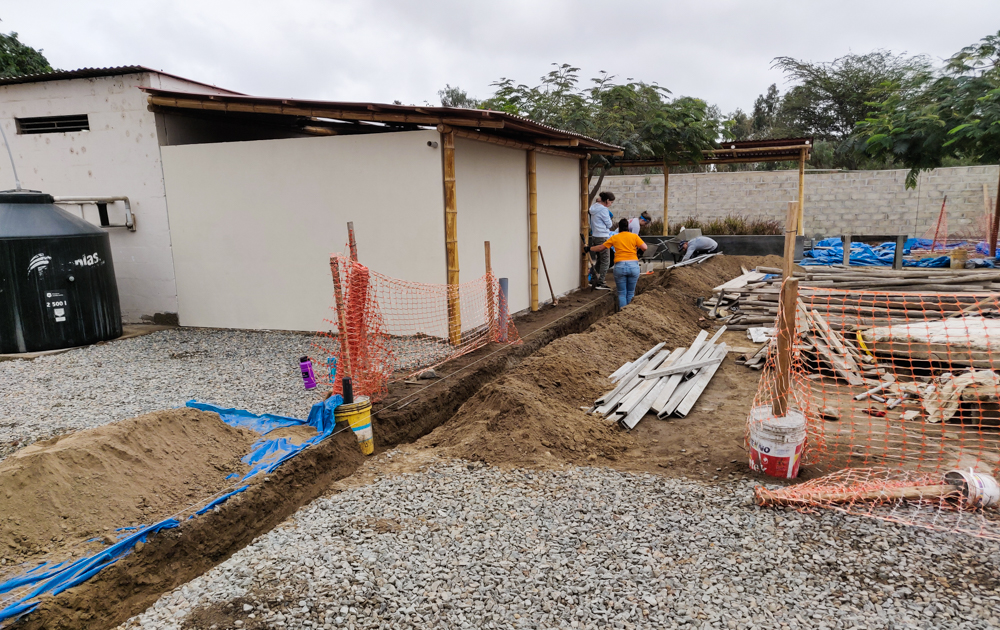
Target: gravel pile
(466,546)
(92,386)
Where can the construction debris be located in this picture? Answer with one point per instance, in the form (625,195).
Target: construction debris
(668,382)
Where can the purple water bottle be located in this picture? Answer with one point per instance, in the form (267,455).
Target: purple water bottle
(308,378)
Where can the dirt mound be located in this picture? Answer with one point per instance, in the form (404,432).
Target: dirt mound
(532,414)
(60,492)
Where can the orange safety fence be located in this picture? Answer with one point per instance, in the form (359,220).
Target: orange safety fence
(886,390)
(395,329)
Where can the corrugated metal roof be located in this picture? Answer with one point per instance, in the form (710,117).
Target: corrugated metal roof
(500,123)
(83,73)
(729,152)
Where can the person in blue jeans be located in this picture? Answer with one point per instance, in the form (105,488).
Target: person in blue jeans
(626,271)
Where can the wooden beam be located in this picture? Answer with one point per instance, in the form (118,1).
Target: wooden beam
(666,196)
(786,338)
(506,142)
(791,229)
(802,191)
(552,142)
(451,237)
(584,218)
(338,114)
(533,228)
(344,369)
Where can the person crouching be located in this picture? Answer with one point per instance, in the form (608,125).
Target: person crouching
(626,270)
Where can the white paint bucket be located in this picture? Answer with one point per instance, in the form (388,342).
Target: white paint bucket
(980,490)
(776,443)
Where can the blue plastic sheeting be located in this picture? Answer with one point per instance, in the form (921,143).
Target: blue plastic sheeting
(866,255)
(266,455)
(57,578)
(218,501)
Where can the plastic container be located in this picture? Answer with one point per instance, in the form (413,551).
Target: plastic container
(980,489)
(359,415)
(308,376)
(776,443)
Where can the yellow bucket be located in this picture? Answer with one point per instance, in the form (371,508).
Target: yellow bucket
(358,414)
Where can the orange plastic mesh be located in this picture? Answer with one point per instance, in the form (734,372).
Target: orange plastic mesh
(895,388)
(395,328)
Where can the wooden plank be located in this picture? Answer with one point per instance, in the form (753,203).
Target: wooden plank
(634,372)
(680,368)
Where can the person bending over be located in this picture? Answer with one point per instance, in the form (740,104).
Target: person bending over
(641,221)
(697,246)
(627,247)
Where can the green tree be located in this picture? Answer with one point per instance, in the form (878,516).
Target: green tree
(637,116)
(456,97)
(953,113)
(17,59)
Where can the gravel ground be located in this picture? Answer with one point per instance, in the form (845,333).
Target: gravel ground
(98,384)
(467,546)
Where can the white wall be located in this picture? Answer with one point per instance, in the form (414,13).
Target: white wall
(253,223)
(558,183)
(120,155)
(492,193)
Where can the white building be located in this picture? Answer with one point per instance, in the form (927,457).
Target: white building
(238,201)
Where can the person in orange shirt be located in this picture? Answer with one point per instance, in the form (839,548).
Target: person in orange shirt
(626,271)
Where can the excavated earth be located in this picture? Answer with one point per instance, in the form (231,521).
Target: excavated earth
(504,405)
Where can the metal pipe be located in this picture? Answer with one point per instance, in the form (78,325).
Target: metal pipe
(129,217)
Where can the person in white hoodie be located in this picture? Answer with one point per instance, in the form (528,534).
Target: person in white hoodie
(600,230)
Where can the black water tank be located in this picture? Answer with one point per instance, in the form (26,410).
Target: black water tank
(57,281)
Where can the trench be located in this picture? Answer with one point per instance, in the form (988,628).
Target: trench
(175,557)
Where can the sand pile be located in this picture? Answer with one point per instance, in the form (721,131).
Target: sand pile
(60,492)
(531,415)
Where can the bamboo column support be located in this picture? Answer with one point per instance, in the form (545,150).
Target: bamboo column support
(451,237)
(533,227)
(491,312)
(802,191)
(786,339)
(352,241)
(791,223)
(666,195)
(338,294)
(584,219)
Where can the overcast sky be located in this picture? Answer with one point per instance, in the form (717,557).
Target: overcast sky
(384,50)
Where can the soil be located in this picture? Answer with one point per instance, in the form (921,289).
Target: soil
(532,416)
(58,493)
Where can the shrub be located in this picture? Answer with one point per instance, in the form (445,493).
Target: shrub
(733,224)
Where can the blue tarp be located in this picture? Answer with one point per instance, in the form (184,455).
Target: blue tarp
(264,456)
(866,255)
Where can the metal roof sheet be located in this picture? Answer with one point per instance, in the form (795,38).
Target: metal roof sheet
(84,73)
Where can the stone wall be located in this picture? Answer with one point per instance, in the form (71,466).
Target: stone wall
(856,202)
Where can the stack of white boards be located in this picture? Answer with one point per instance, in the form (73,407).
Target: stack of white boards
(668,382)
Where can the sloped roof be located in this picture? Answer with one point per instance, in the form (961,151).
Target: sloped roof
(83,73)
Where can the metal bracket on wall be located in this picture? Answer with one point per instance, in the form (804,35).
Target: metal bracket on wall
(102,206)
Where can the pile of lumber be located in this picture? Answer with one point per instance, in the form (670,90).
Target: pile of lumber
(891,297)
(668,382)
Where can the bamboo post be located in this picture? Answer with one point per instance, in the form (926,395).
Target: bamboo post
(802,192)
(545,268)
(533,228)
(491,312)
(786,338)
(791,222)
(451,237)
(995,225)
(666,195)
(584,219)
(353,243)
(338,294)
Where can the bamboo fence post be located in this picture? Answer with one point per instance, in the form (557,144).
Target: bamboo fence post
(791,221)
(491,313)
(666,195)
(786,339)
(338,294)
(352,241)
(545,268)
(533,228)
(451,237)
(802,192)
(995,225)
(584,219)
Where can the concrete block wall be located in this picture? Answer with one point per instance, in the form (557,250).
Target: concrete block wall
(859,202)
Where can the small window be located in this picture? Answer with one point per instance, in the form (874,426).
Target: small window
(53,124)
